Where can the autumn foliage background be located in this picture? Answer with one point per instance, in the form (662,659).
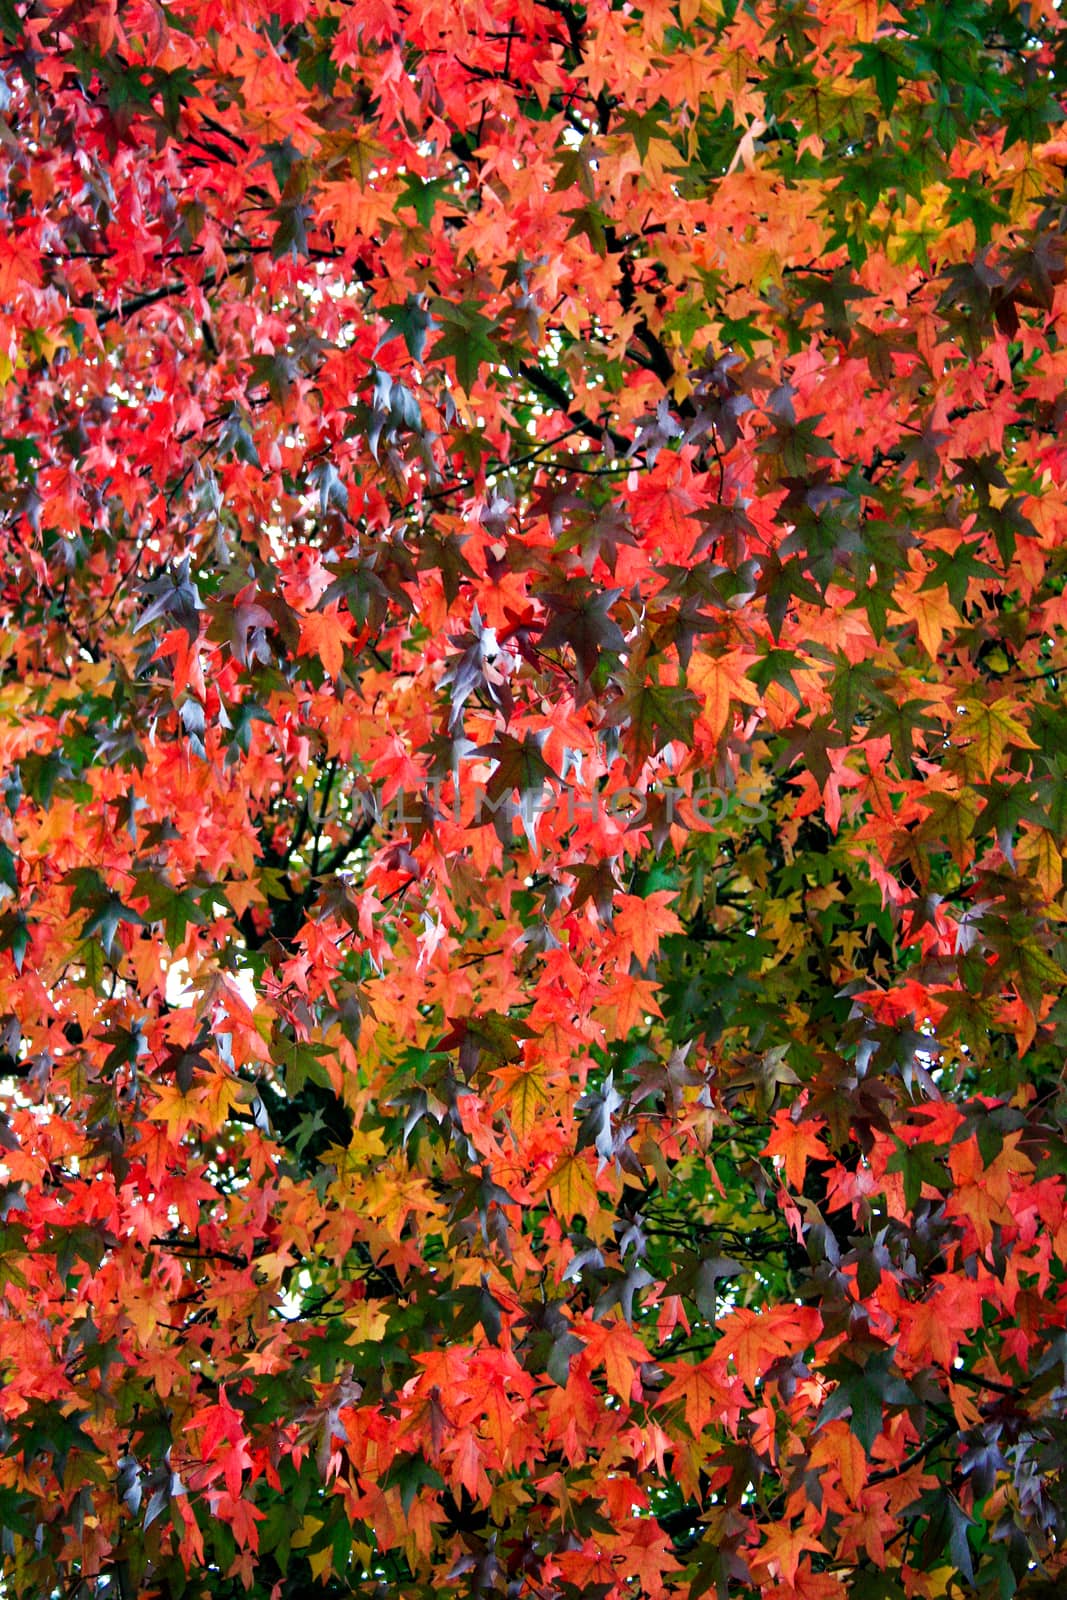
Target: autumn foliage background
(534,790)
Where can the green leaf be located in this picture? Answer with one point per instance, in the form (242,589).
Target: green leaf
(16,1510)
(519,767)
(422,195)
(653,715)
(1034,112)
(409,1474)
(411,322)
(870,1584)
(301,1063)
(862,1392)
(947,1530)
(776,666)
(920,1165)
(12,1244)
(15,936)
(90,956)
(1037,973)
(175,908)
(465,338)
(885,61)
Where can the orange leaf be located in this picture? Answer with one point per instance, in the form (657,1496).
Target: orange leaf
(702,1390)
(837,1446)
(932,612)
(783,1545)
(720,681)
(797,1143)
(756,1339)
(642,922)
(325,634)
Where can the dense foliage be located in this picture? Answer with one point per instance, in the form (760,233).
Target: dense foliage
(534,792)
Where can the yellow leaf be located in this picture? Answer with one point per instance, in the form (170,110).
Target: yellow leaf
(932,612)
(365,1146)
(367,1321)
(177,1110)
(1042,851)
(865,16)
(652,1156)
(572,1188)
(420,1519)
(525,1100)
(145,1312)
(217,1098)
(507,1497)
(364,154)
(305,1533)
(274,1264)
(721,681)
(985,732)
(321,1563)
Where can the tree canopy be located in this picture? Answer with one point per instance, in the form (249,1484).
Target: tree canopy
(534,793)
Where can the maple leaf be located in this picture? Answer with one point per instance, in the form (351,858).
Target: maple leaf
(700,1279)
(325,634)
(581,619)
(466,336)
(356,209)
(986,730)
(640,923)
(223,1441)
(176,1108)
(19,266)
(932,613)
(782,1548)
(571,1187)
(839,1449)
(862,1391)
(525,1092)
(797,1142)
(647,1556)
(722,681)
(653,715)
(522,767)
(755,1339)
(618,1349)
(246,628)
(701,1387)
